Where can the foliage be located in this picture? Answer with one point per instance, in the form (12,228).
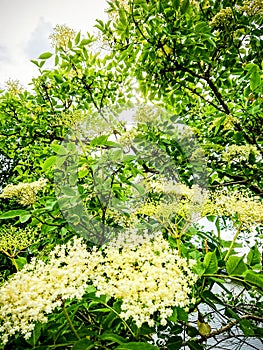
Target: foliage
(110,162)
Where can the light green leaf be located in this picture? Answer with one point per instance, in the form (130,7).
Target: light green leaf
(24,218)
(235,266)
(12,214)
(254,278)
(210,263)
(255,80)
(254,256)
(49,163)
(77,39)
(45,55)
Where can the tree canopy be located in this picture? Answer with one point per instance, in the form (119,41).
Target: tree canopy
(131,183)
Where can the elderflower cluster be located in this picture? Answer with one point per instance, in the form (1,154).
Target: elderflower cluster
(128,137)
(252,7)
(25,193)
(228,122)
(61,36)
(39,288)
(142,270)
(249,211)
(239,153)
(13,240)
(181,202)
(14,87)
(222,18)
(147,275)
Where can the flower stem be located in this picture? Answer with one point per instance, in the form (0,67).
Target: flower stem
(116,313)
(70,323)
(233,242)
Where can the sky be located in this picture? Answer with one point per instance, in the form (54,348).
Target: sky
(25,27)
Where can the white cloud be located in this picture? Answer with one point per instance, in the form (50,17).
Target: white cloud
(26,25)
(39,42)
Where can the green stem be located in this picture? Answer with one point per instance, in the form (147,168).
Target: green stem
(225,276)
(233,242)
(116,313)
(14,263)
(70,323)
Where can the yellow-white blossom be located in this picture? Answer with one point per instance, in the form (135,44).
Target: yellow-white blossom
(13,240)
(61,36)
(39,288)
(14,87)
(141,270)
(25,192)
(239,153)
(147,275)
(222,18)
(249,211)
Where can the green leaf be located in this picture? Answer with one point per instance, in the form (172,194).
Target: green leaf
(255,80)
(24,218)
(77,39)
(35,335)
(210,263)
(84,42)
(20,261)
(254,256)
(182,315)
(175,343)
(35,62)
(113,337)
(83,344)
(247,328)
(45,55)
(254,278)
(136,346)
(12,214)
(235,266)
(49,163)
(193,345)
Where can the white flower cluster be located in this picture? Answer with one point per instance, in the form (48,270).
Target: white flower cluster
(141,270)
(25,193)
(239,153)
(147,275)
(39,288)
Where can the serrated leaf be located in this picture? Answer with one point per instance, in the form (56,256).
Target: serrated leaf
(254,278)
(45,55)
(210,263)
(235,266)
(254,256)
